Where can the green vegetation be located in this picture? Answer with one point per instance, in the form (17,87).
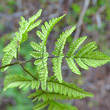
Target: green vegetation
(47,90)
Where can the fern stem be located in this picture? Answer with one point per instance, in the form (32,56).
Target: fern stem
(28,72)
(22,62)
(11,64)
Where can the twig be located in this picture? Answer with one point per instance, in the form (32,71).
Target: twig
(11,64)
(22,62)
(27,72)
(98,17)
(80,21)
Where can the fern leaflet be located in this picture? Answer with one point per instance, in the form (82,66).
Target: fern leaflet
(21,36)
(64,88)
(41,50)
(86,56)
(59,53)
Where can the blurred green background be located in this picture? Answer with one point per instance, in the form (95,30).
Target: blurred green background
(95,17)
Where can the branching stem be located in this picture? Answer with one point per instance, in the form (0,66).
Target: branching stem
(22,62)
(27,71)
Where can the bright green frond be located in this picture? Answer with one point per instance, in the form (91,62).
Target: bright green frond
(21,36)
(36,54)
(67,89)
(7,58)
(35,17)
(86,49)
(41,62)
(47,27)
(34,25)
(75,45)
(12,81)
(86,56)
(45,95)
(73,66)
(57,68)
(41,105)
(36,46)
(61,42)
(81,63)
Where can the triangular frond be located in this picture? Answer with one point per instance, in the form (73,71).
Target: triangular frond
(86,56)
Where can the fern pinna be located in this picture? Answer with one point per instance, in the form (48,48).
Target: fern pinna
(50,89)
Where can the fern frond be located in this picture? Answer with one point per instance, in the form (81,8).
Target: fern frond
(41,63)
(57,68)
(73,66)
(59,106)
(67,89)
(59,52)
(86,56)
(8,56)
(37,47)
(61,42)
(74,46)
(47,27)
(45,95)
(21,36)
(41,105)
(12,81)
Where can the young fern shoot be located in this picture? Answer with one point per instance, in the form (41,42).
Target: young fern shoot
(50,89)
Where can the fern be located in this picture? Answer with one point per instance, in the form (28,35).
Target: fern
(59,53)
(21,36)
(58,106)
(41,50)
(86,56)
(64,88)
(50,89)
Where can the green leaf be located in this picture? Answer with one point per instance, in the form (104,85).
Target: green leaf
(37,47)
(21,36)
(73,66)
(47,27)
(68,90)
(86,56)
(57,68)
(75,45)
(61,42)
(12,81)
(7,58)
(41,105)
(34,25)
(59,106)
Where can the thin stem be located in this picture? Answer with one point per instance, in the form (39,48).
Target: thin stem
(11,64)
(27,71)
(22,62)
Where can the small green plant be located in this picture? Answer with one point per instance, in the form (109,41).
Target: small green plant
(50,89)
